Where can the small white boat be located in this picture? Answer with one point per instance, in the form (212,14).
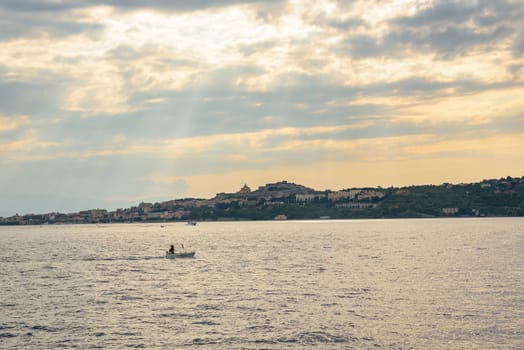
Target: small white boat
(180,255)
(191,223)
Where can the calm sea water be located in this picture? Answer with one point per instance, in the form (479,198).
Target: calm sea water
(367,284)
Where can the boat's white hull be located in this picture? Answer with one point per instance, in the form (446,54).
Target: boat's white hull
(180,255)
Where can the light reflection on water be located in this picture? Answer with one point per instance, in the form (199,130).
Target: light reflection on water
(368,284)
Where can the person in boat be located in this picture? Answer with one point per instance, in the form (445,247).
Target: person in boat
(171,249)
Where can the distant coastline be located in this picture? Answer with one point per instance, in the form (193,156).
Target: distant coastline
(289,201)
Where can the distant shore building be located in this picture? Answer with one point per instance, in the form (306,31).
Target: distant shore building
(309,197)
(245,190)
(344,194)
(450,211)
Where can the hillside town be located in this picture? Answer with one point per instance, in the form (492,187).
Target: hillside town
(285,200)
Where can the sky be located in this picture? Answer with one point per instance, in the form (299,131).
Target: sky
(106,104)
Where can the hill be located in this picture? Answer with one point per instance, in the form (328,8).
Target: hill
(286,200)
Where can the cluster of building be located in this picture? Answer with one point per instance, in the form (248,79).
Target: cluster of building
(286,193)
(272,194)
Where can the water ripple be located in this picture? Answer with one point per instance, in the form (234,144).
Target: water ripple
(384,284)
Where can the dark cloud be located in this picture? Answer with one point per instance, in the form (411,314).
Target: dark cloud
(456,40)
(35,6)
(126,52)
(346,24)
(441,11)
(518,45)
(446,42)
(298,101)
(447,29)
(483,13)
(129,5)
(19,18)
(30,24)
(221,106)
(362,46)
(452,27)
(515,69)
(343,25)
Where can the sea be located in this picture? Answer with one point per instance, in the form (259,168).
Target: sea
(326,284)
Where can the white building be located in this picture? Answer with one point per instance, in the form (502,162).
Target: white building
(303,198)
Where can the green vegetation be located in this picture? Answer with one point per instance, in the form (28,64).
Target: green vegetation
(283,200)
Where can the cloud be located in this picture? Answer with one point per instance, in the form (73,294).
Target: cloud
(229,145)
(444,28)
(481,12)
(28,144)
(499,144)
(14,97)
(447,41)
(157,54)
(66,18)
(518,46)
(214,145)
(478,108)
(435,167)
(54,6)
(13,122)
(188,90)
(43,19)
(438,12)
(136,52)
